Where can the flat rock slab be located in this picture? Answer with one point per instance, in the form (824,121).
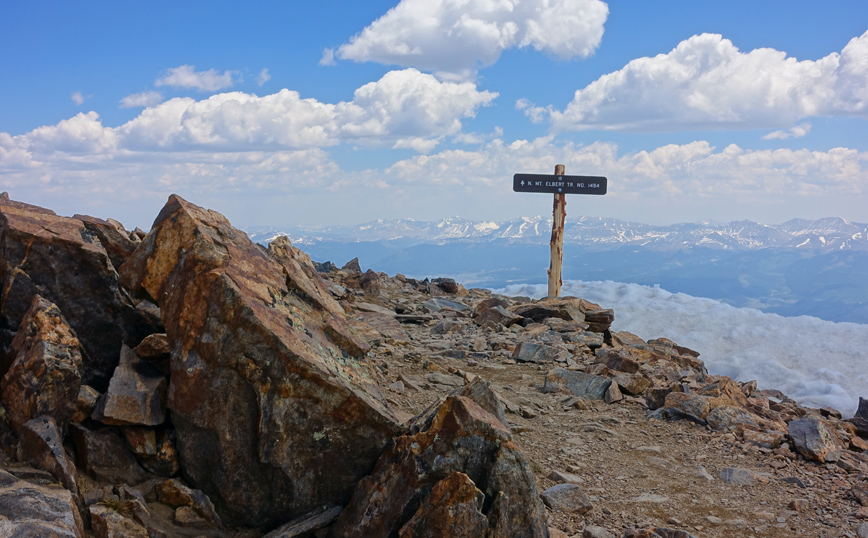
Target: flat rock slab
(33,510)
(578,384)
(738,477)
(266,384)
(437,304)
(539,353)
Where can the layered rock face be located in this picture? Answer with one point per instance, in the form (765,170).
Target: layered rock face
(60,259)
(265,393)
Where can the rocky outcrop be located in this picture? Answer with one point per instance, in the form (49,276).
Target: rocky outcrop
(60,259)
(457,473)
(266,385)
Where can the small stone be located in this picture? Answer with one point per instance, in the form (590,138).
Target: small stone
(561,477)
(397,386)
(799,505)
(714,520)
(862,530)
(738,477)
(592,531)
(566,498)
(613,394)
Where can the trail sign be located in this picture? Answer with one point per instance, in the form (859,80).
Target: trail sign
(559,184)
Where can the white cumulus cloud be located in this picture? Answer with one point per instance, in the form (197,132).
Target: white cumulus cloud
(141,100)
(460,36)
(187,77)
(706,82)
(405,108)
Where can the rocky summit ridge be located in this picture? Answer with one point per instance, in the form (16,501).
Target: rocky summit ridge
(187,381)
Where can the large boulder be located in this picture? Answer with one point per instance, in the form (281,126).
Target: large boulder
(275,415)
(60,259)
(45,377)
(456,473)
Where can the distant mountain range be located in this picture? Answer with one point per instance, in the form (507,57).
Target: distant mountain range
(800,267)
(823,235)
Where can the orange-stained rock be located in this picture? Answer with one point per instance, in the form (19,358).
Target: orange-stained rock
(454,508)
(64,262)
(266,384)
(456,437)
(45,377)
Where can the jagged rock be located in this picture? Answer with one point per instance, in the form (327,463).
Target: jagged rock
(632,384)
(599,320)
(117,242)
(812,439)
(620,360)
(104,455)
(456,437)
(31,510)
(693,407)
(449,286)
(153,347)
(175,494)
(578,384)
(107,522)
(136,394)
(539,353)
(453,508)
(613,394)
(42,446)
(260,386)
(86,403)
(352,266)
(497,314)
(492,302)
(370,282)
(64,262)
(45,377)
(480,391)
(567,498)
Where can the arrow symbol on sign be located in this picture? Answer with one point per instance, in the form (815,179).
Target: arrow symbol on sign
(522,183)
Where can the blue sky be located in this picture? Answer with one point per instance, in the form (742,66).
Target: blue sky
(333,111)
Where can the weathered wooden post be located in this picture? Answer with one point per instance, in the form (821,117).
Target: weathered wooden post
(560,185)
(559,214)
